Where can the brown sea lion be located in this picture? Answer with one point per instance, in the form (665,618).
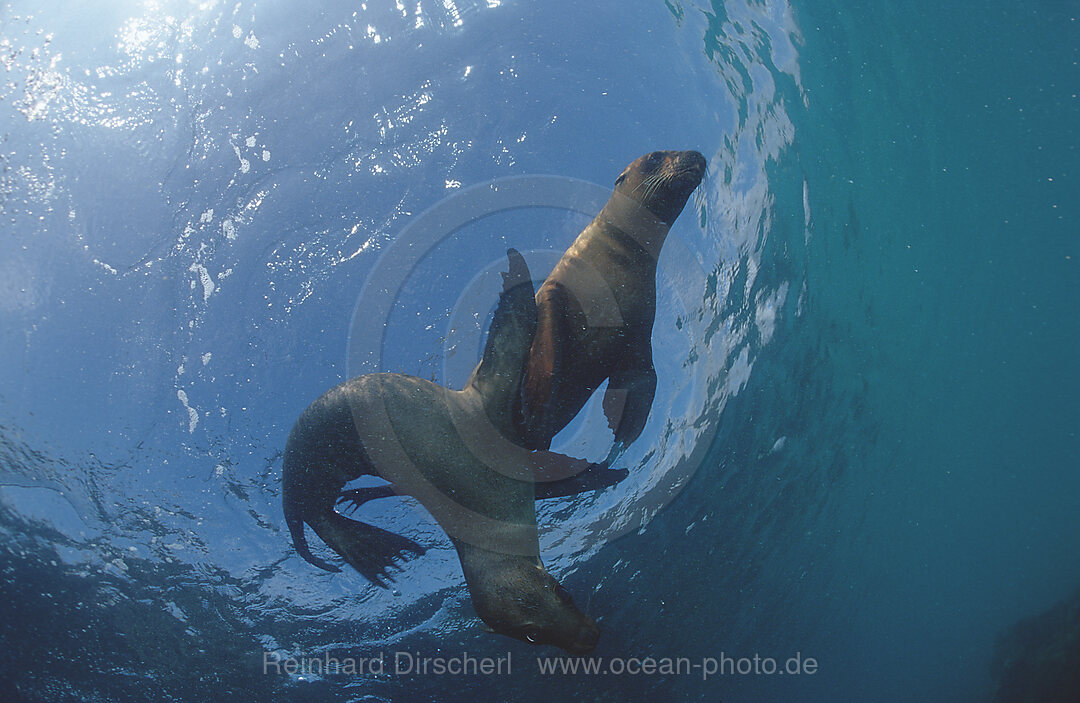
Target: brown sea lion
(596,309)
(458,453)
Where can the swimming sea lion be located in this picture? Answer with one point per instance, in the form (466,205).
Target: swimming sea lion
(459,454)
(596,309)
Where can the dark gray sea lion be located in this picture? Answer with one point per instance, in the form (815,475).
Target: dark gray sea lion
(596,309)
(459,454)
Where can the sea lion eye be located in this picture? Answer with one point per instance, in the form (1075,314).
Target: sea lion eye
(532,636)
(620,179)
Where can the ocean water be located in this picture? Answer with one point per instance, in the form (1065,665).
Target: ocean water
(864,446)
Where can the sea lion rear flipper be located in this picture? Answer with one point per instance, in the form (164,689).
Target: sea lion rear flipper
(594,478)
(358,496)
(539,387)
(628,400)
(549,467)
(368,549)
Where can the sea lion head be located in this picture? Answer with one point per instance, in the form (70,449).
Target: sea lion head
(662,181)
(522,600)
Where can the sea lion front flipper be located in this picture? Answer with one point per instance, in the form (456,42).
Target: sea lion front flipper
(594,478)
(539,387)
(368,549)
(628,400)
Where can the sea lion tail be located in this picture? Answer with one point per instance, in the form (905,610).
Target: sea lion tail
(296,529)
(293,505)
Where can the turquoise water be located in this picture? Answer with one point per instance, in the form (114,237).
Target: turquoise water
(878,374)
(961,160)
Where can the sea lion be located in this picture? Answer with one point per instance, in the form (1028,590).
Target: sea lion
(596,309)
(459,454)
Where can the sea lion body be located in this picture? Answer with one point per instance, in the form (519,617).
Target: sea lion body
(459,454)
(597,307)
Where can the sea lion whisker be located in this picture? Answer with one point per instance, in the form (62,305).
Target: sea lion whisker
(647,187)
(656,183)
(644,186)
(660,183)
(686,170)
(647,183)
